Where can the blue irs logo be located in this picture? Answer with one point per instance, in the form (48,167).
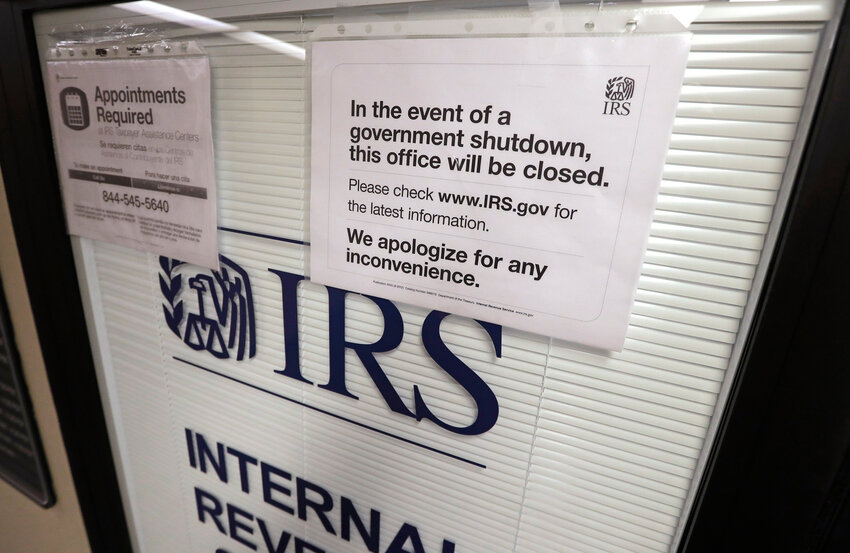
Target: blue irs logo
(75,108)
(220,318)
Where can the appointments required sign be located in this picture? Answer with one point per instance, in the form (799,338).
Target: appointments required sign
(508,179)
(135,153)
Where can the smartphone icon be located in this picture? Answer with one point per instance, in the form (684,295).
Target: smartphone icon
(75,108)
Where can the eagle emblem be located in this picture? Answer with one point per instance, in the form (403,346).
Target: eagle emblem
(218,317)
(620,88)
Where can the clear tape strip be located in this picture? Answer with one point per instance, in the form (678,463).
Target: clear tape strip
(547,24)
(124,50)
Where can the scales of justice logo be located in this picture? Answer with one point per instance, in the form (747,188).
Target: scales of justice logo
(219,317)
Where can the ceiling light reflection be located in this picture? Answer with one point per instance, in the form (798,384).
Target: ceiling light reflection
(207,24)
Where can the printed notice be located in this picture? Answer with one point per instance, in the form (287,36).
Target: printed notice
(508,179)
(135,154)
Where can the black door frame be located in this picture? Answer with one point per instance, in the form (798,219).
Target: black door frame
(770,483)
(779,472)
(29,172)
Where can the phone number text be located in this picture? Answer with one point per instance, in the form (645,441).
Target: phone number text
(134,200)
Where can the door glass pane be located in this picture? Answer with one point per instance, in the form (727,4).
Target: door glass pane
(593,451)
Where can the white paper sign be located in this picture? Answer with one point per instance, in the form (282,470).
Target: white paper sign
(508,179)
(135,153)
